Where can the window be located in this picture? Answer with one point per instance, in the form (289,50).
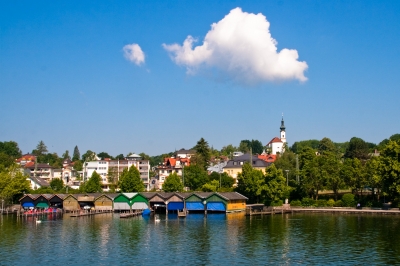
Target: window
(241,163)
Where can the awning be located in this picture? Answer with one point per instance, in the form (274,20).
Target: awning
(42,205)
(194,206)
(122,206)
(139,206)
(28,204)
(174,206)
(215,206)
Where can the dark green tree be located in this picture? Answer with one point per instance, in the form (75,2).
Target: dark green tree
(274,187)
(89,156)
(10,148)
(130,180)
(203,155)
(41,149)
(226,180)
(389,168)
(353,174)
(256,146)
(173,183)
(93,185)
(326,145)
(66,155)
(76,155)
(195,177)
(57,184)
(78,166)
(250,182)
(103,155)
(298,146)
(245,145)
(120,157)
(357,148)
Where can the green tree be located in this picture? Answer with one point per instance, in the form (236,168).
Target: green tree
(56,184)
(41,149)
(112,177)
(314,175)
(353,174)
(326,145)
(298,146)
(274,187)
(89,156)
(228,150)
(103,155)
(211,186)
(6,160)
(93,185)
(76,155)
(66,155)
(256,146)
(172,183)
(13,183)
(120,157)
(195,177)
(245,145)
(144,156)
(130,180)
(226,180)
(203,156)
(389,168)
(78,166)
(357,148)
(10,148)
(250,182)
(373,176)
(287,161)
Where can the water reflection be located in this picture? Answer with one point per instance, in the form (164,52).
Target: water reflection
(213,240)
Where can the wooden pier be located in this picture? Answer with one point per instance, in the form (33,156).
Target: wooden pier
(91,213)
(130,214)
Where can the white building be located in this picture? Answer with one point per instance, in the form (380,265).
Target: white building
(112,169)
(277,145)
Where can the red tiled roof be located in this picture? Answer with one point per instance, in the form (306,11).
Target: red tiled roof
(270,158)
(274,140)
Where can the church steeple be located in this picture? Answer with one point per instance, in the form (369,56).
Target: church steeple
(283,132)
(282,124)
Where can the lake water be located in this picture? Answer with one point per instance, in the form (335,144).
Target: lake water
(219,239)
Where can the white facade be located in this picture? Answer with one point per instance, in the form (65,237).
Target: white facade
(102,167)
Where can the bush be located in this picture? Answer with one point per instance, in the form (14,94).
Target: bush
(338,203)
(276,203)
(348,200)
(295,203)
(330,203)
(307,202)
(320,203)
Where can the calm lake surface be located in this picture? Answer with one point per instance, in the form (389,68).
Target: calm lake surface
(219,239)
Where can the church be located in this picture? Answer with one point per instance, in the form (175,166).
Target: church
(277,145)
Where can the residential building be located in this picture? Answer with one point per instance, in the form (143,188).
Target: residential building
(169,166)
(234,166)
(111,170)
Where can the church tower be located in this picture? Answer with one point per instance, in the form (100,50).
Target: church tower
(283,132)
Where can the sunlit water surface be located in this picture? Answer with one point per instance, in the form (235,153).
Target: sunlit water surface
(218,239)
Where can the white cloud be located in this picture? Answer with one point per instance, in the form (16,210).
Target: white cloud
(241,46)
(134,53)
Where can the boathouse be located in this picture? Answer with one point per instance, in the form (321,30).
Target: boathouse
(158,201)
(104,202)
(42,201)
(235,201)
(57,200)
(216,202)
(70,203)
(87,199)
(28,201)
(139,202)
(175,202)
(195,202)
(122,202)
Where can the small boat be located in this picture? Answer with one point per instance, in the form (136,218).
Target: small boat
(38,221)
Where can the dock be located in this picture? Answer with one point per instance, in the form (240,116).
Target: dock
(260,209)
(91,213)
(130,214)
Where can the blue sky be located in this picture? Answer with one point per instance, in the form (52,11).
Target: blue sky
(64,78)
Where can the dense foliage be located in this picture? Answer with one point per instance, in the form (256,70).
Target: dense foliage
(173,183)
